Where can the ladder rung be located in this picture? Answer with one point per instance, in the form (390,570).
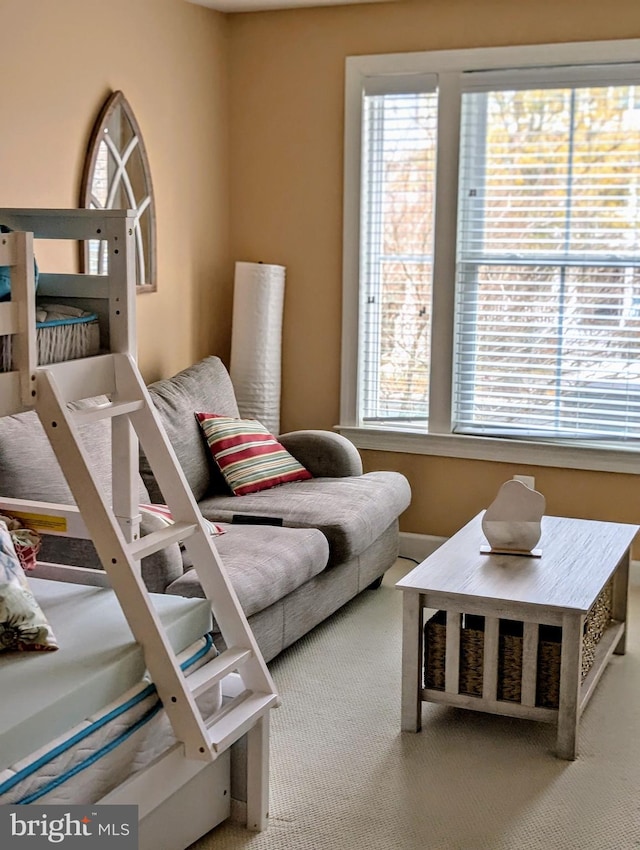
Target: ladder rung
(107,411)
(215,670)
(157,540)
(238,717)
(84,378)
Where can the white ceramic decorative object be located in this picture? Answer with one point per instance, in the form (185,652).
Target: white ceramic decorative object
(512,522)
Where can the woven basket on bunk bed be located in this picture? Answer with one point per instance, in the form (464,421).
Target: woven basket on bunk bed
(58,341)
(510,653)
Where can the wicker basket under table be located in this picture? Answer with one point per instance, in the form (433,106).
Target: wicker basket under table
(510,653)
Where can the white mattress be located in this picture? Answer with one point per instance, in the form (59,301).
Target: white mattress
(98,754)
(45,694)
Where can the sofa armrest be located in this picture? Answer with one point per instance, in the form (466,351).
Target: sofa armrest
(323,453)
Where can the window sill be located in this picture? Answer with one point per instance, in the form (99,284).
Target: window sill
(564,455)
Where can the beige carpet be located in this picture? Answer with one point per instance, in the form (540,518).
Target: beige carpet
(344,777)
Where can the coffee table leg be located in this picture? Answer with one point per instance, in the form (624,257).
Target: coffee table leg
(570,681)
(620,592)
(411,662)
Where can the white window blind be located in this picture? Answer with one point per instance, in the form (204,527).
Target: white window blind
(397,202)
(547,323)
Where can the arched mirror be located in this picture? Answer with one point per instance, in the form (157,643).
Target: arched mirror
(117,176)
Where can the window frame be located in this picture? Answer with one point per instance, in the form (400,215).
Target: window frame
(389,72)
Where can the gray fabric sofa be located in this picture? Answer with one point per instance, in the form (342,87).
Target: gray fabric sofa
(339,530)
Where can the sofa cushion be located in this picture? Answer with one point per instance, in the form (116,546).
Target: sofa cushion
(204,386)
(29,468)
(264,563)
(351,512)
(249,457)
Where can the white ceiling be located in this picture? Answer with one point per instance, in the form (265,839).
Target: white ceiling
(261,5)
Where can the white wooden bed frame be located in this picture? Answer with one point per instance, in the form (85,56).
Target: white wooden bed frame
(172,792)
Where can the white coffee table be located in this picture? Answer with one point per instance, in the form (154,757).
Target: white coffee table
(558,589)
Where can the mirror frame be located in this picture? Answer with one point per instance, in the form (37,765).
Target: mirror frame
(117,102)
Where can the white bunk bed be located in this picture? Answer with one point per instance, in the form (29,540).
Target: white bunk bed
(63,331)
(144,693)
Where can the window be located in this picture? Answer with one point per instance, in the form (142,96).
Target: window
(548,251)
(397,246)
(492,247)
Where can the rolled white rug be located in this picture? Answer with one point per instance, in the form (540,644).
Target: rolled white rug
(256,341)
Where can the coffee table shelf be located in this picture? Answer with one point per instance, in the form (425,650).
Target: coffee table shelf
(581,559)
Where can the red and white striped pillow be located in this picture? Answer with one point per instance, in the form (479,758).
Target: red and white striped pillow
(249,457)
(165,515)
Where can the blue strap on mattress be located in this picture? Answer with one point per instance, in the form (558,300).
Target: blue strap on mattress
(53,783)
(147,691)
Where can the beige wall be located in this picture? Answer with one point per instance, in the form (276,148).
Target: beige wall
(60,60)
(244,113)
(286,133)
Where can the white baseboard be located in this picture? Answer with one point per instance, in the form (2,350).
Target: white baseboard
(417,547)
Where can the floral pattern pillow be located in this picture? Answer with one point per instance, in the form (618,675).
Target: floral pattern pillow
(23,625)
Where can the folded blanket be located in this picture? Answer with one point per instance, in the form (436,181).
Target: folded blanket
(59,313)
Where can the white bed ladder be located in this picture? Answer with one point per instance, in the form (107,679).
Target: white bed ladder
(114,531)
